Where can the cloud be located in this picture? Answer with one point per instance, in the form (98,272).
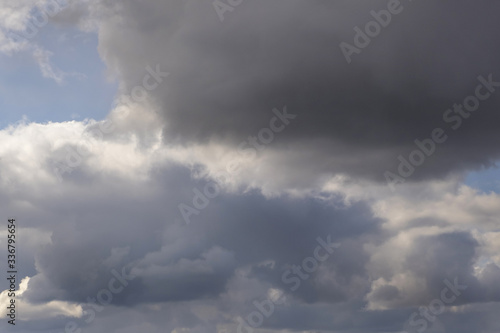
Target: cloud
(239,246)
(101,198)
(43,59)
(354,119)
(31,312)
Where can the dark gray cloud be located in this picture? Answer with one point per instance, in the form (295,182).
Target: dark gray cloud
(176,262)
(358,117)
(241,243)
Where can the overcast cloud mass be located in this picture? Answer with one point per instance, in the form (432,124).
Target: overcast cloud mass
(243,166)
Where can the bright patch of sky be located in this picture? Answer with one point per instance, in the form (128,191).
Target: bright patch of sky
(85,90)
(486,180)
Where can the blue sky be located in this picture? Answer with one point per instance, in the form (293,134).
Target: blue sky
(487,180)
(25,92)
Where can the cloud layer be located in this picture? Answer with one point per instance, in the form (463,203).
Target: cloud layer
(198,205)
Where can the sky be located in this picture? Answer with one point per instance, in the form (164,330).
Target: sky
(237,166)
(85,93)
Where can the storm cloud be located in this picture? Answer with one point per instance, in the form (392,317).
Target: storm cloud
(238,181)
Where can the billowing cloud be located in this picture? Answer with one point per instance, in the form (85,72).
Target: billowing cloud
(354,118)
(237,183)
